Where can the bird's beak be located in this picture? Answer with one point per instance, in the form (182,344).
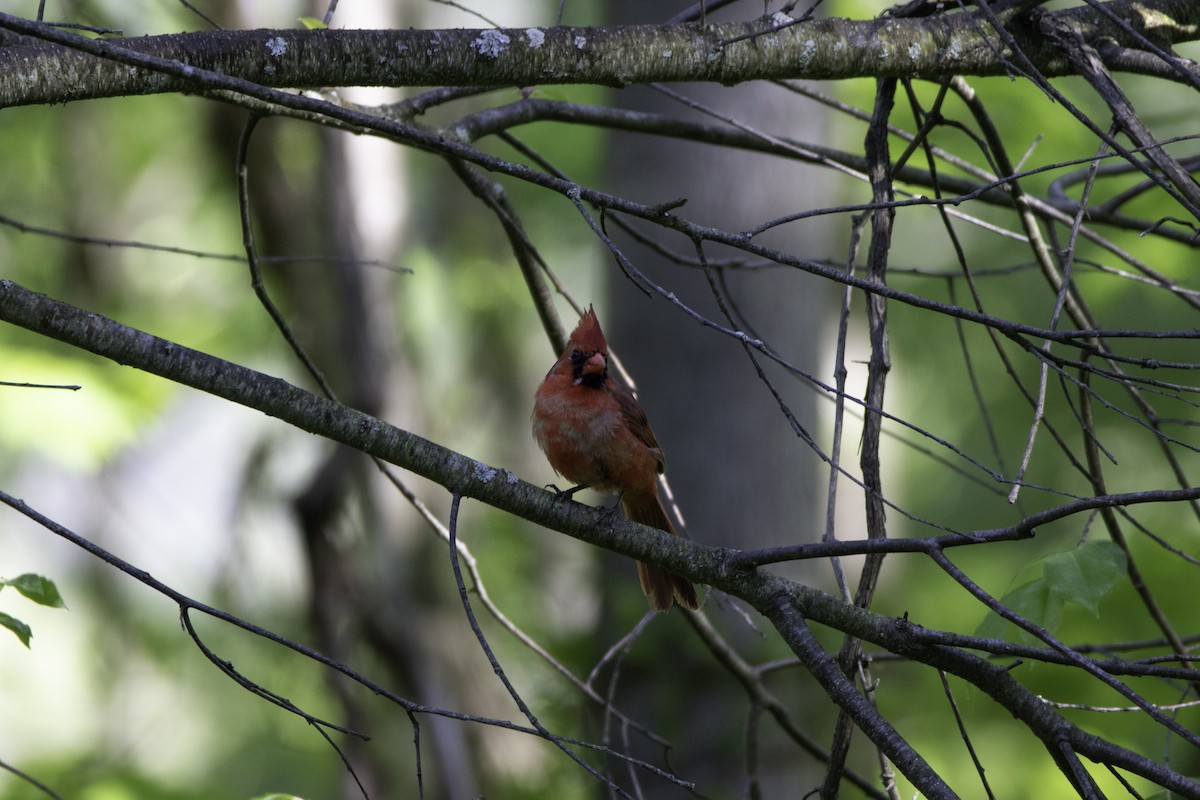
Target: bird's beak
(597,364)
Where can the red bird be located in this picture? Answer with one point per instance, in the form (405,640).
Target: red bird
(596,435)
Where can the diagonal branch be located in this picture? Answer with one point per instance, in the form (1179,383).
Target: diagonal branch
(1087,62)
(186,604)
(770,594)
(790,622)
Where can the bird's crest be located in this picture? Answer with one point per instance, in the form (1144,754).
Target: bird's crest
(587,335)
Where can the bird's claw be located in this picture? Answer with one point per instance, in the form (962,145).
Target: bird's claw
(563,494)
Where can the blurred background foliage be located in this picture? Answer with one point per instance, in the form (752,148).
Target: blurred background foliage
(113,701)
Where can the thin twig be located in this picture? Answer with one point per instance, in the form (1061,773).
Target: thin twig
(32,781)
(962,732)
(522,706)
(256,279)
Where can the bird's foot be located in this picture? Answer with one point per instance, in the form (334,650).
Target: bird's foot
(563,494)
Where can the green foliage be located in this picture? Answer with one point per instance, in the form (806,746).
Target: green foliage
(19,628)
(1081,576)
(37,588)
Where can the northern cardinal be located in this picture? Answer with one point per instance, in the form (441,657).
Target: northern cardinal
(596,435)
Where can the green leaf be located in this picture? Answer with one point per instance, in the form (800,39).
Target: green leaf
(39,589)
(23,631)
(313,24)
(1084,575)
(1034,601)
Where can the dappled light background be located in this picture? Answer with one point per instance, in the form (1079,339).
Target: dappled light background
(403,288)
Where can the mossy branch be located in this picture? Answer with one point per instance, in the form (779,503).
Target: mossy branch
(43,64)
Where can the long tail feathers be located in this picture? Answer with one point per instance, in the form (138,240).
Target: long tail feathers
(659,585)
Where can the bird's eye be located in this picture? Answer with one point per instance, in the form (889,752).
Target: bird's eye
(576,356)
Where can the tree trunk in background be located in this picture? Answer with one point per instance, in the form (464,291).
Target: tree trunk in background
(355,548)
(740,474)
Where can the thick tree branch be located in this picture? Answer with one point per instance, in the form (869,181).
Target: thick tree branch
(932,47)
(457,473)
(997,681)
(468,478)
(435,143)
(275,397)
(790,622)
